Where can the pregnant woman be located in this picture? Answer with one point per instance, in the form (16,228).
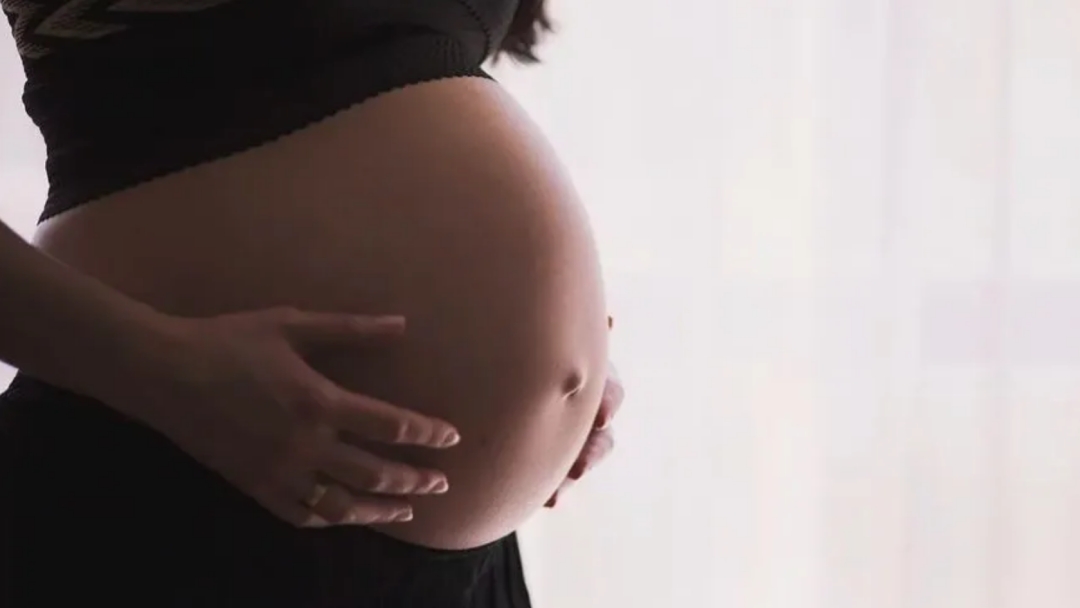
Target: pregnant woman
(313,317)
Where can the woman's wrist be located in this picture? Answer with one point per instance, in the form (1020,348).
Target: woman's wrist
(140,363)
(71,330)
(120,354)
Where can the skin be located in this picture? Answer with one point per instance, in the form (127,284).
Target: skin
(601,439)
(440,202)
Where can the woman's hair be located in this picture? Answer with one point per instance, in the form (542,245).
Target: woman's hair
(530,22)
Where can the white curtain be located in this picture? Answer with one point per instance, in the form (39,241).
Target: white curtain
(842,242)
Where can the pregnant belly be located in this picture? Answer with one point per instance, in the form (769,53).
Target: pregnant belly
(440,202)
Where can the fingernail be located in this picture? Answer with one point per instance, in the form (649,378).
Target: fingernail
(603,421)
(449,438)
(577,471)
(551,502)
(405,515)
(440,487)
(610,322)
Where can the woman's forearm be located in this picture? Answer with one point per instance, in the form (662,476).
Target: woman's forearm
(67,328)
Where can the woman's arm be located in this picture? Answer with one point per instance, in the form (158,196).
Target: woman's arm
(69,329)
(232,391)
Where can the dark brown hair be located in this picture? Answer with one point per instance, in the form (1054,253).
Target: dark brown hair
(530,23)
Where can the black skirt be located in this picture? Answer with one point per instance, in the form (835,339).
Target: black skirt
(98,509)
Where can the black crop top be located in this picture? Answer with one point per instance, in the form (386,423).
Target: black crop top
(127,90)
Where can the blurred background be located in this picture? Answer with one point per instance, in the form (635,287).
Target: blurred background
(842,245)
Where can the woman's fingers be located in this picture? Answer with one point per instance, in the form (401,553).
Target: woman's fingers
(363,416)
(553,500)
(331,503)
(598,446)
(380,510)
(339,506)
(366,473)
(287,509)
(610,401)
(312,331)
(373,420)
(312,503)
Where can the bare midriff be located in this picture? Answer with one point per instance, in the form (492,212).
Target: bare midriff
(439,201)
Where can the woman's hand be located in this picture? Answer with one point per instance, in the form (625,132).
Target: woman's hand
(601,440)
(244,403)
